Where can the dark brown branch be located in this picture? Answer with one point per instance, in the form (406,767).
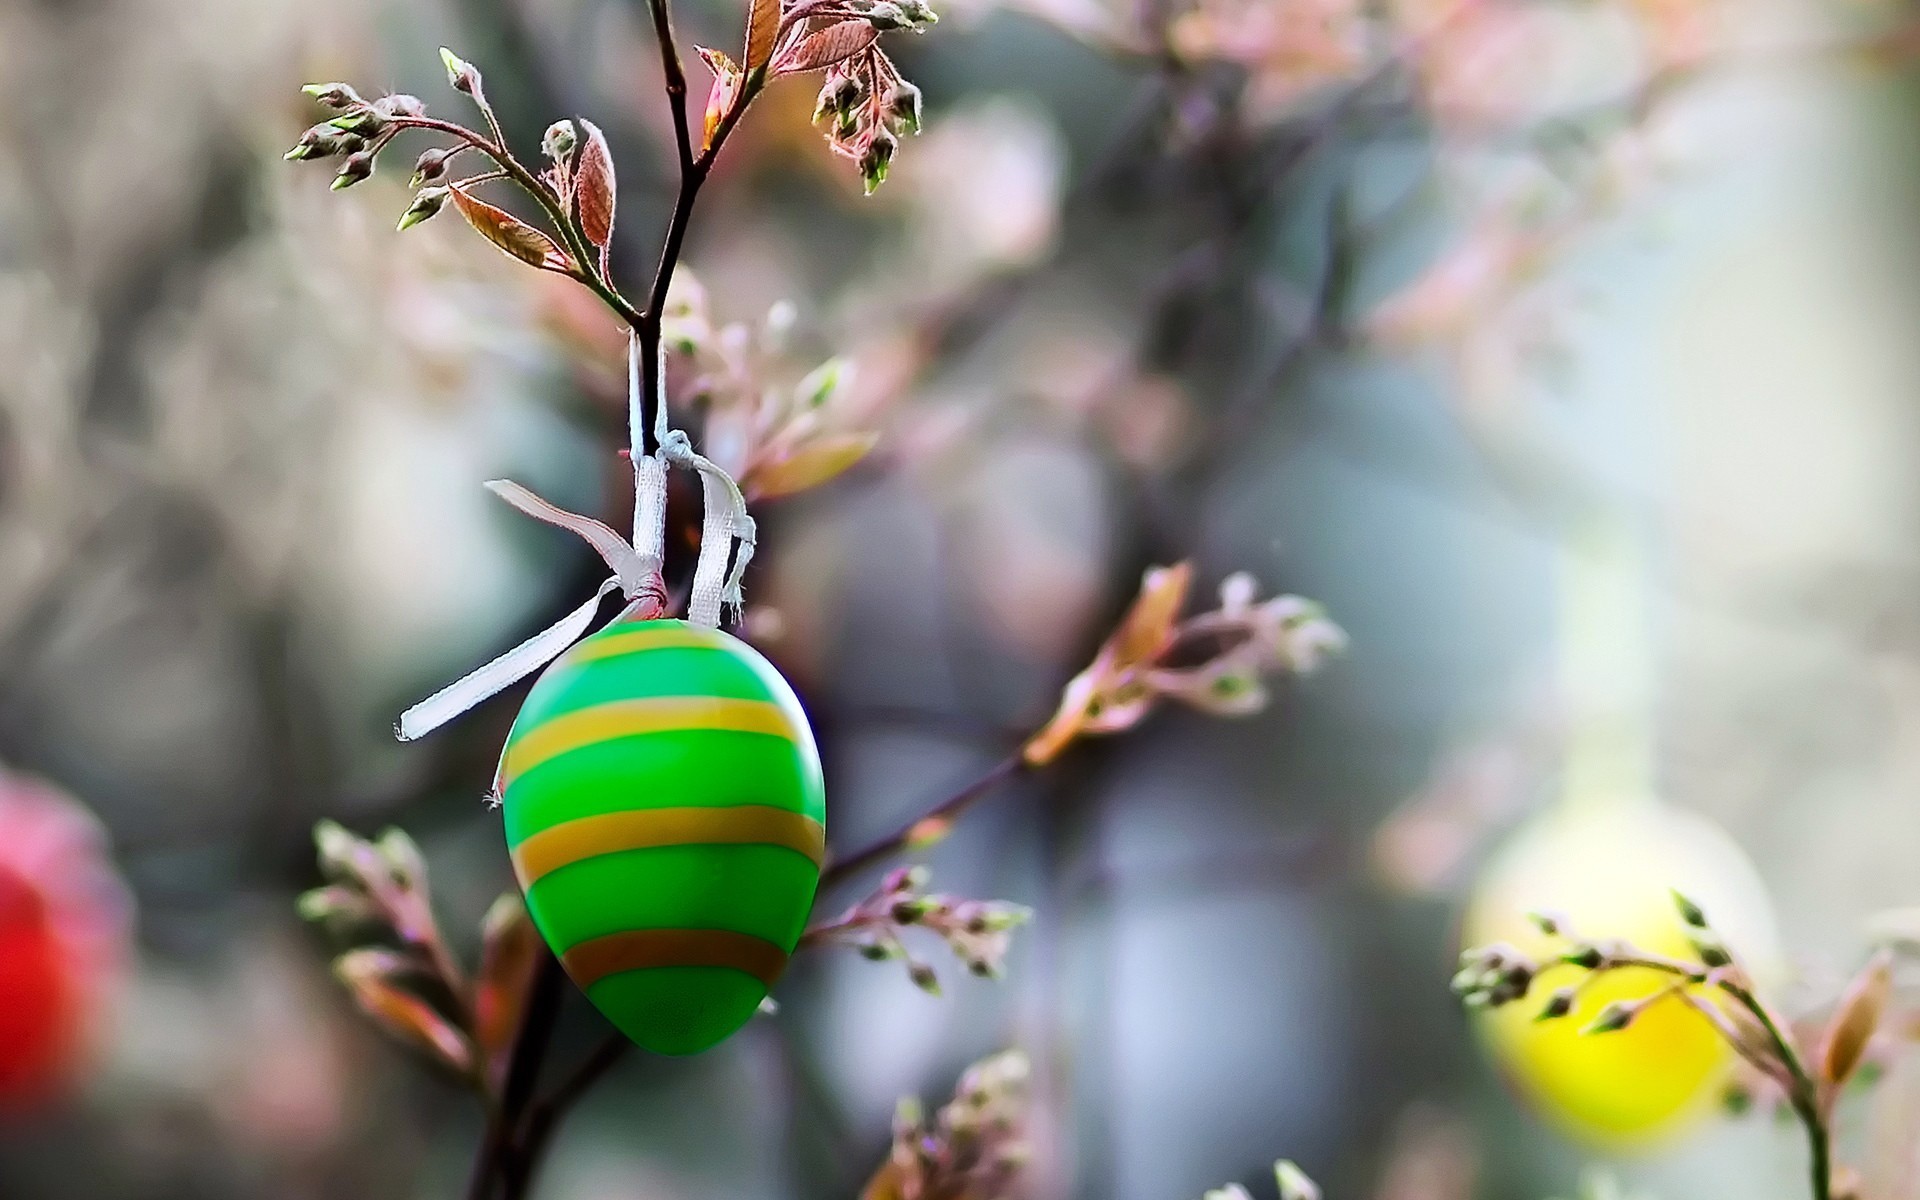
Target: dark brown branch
(676,75)
(693,173)
(498,1160)
(544,1117)
(844,866)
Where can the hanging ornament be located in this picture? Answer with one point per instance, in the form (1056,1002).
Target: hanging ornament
(660,788)
(1607,856)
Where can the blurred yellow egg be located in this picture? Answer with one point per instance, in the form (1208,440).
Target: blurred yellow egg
(1610,869)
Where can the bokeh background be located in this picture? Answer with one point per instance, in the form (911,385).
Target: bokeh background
(1284,286)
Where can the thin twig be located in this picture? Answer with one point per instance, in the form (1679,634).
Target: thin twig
(544,1117)
(852,863)
(676,75)
(497,1159)
(583,258)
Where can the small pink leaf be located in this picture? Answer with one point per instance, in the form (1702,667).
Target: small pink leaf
(1855,1019)
(593,183)
(809,466)
(368,974)
(834,44)
(727,82)
(510,950)
(510,233)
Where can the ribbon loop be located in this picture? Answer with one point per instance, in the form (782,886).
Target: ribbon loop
(628,566)
(714,588)
(516,664)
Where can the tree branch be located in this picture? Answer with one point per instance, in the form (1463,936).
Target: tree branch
(844,866)
(498,1159)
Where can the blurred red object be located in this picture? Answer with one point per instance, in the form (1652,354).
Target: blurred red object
(63,936)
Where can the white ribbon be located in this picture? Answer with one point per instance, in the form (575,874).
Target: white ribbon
(632,577)
(635,565)
(714,588)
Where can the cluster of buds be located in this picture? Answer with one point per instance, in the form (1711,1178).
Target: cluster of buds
(1494,975)
(399,969)
(578,186)
(866,103)
(1293,1183)
(974,1148)
(775,425)
(1213,662)
(358,134)
(979,932)
(1803,1067)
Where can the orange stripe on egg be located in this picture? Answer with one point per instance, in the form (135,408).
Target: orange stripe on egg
(643,949)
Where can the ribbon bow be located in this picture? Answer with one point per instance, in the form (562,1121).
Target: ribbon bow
(636,565)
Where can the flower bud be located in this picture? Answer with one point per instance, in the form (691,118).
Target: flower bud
(357,167)
(1585,956)
(560,140)
(399,104)
(322,141)
(333,95)
(886,16)
(918,12)
(839,95)
(877,159)
(431,166)
(903,107)
(1690,912)
(1558,1005)
(1712,953)
(924,978)
(426,203)
(460,73)
(1613,1018)
(364,121)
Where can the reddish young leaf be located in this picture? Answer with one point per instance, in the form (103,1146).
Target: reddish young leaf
(763,23)
(834,44)
(1855,1019)
(510,233)
(1149,625)
(727,82)
(510,950)
(368,975)
(593,184)
(809,466)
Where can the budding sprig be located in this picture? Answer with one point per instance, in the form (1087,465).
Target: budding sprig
(868,105)
(974,1148)
(1716,986)
(1213,661)
(979,932)
(575,192)
(398,966)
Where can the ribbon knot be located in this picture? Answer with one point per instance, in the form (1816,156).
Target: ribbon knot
(636,565)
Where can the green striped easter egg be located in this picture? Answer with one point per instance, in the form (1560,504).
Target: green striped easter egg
(665,814)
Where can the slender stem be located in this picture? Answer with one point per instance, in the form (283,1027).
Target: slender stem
(852,863)
(676,80)
(544,1117)
(1819,1148)
(497,1157)
(583,256)
(694,170)
(1803,1090)
(1804,1095)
